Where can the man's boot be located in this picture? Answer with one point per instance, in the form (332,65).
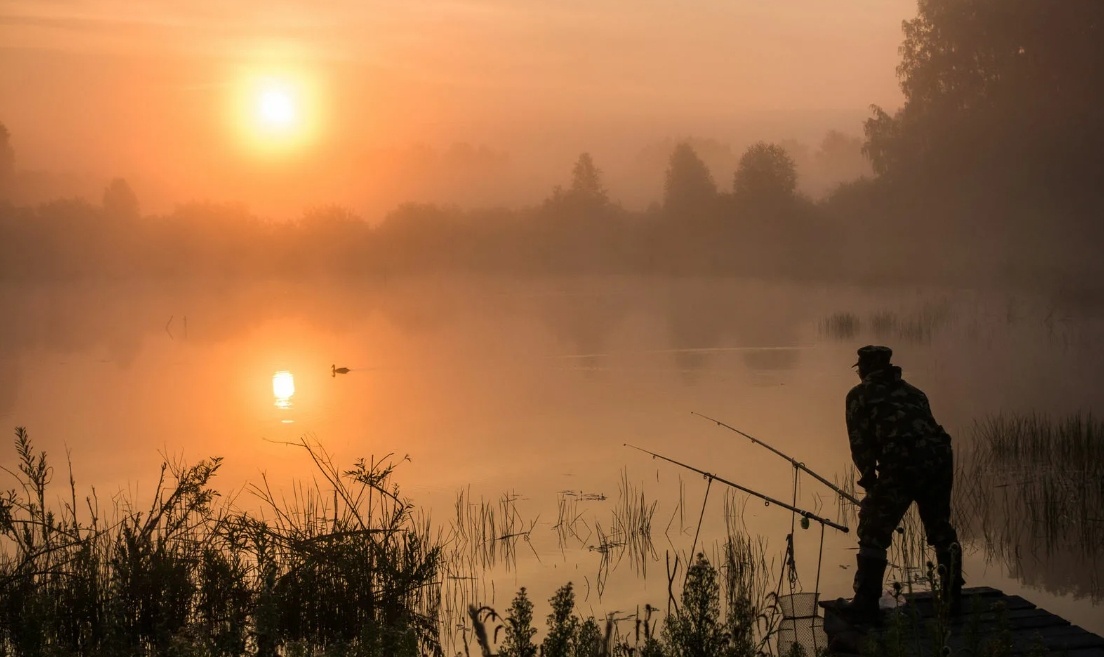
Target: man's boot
(950,577)
(863,608)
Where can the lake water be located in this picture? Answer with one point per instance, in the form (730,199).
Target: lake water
(529,389)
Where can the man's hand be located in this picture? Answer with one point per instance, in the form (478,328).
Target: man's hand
(867,481)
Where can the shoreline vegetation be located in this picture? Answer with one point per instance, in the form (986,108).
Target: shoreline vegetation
(788,238)
(346,566)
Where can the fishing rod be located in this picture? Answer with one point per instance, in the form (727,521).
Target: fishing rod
(794,462)
(797,464)
(769,500)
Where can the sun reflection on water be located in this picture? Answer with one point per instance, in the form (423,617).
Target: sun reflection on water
(283,388)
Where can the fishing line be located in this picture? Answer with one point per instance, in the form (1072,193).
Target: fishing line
(816,587)
(791,557)
(789,573)
(794,580)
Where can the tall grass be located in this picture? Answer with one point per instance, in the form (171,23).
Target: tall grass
(342,567)
(1031,488)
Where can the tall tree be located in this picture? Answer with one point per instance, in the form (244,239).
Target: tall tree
(587,192)
(689,189)
(996,92)
(840,158)
(120,201)
(586,182)
(766,173)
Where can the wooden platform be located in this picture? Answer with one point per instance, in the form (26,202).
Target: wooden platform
(991,623)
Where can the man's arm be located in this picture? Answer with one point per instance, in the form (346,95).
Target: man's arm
(860,435)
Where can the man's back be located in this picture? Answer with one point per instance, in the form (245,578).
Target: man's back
(891,420)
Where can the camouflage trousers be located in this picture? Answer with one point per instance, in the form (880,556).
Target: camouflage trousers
(927,482)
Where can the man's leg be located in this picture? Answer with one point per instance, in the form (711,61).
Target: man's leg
(934,505)
(881,510)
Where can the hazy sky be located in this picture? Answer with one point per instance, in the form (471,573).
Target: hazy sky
(167,93)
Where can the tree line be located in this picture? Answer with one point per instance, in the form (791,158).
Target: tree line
(989,170)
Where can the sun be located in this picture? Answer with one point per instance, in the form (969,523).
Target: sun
(275,112)
(276,109)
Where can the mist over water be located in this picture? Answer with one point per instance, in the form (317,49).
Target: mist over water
(529,389)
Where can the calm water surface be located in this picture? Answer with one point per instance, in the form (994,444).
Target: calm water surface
(529,389)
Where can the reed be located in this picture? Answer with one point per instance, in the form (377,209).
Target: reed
(1028,488)
(921,326)
(632,522)
(344,565)
(840,326)
(884,324)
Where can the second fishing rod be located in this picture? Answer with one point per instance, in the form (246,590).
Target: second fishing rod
(770,500)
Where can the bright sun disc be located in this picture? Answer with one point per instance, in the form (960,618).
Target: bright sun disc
(276,112)
(276,108)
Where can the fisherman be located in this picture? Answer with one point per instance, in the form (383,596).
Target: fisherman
(903,456)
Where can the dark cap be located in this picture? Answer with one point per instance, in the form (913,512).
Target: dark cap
(874,355)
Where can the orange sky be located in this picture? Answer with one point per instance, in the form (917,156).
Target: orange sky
(146,90)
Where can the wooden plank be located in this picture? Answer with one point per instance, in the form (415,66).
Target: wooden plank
(1025,619)
(977,591)
(988,616)
(1061,638)
(1084,652)
(974,600)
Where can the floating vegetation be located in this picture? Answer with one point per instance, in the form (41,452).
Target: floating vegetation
(840,326)
(883,323)
(483,536)
(632,522)
(921,326)
(569,517)
(918,327)
(490,530)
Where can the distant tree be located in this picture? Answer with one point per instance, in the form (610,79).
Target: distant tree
(884,144)
(329,217)
(765,173)
(840,157)
(586,192)
(586,181)
(688,189)
(120,201)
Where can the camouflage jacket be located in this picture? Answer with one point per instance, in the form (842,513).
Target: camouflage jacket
(890,425)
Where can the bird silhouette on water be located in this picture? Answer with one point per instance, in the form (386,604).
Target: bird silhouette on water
(335,370)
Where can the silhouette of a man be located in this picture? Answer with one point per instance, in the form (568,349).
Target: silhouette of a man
(903,456)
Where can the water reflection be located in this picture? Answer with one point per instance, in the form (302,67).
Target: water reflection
(283,388)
